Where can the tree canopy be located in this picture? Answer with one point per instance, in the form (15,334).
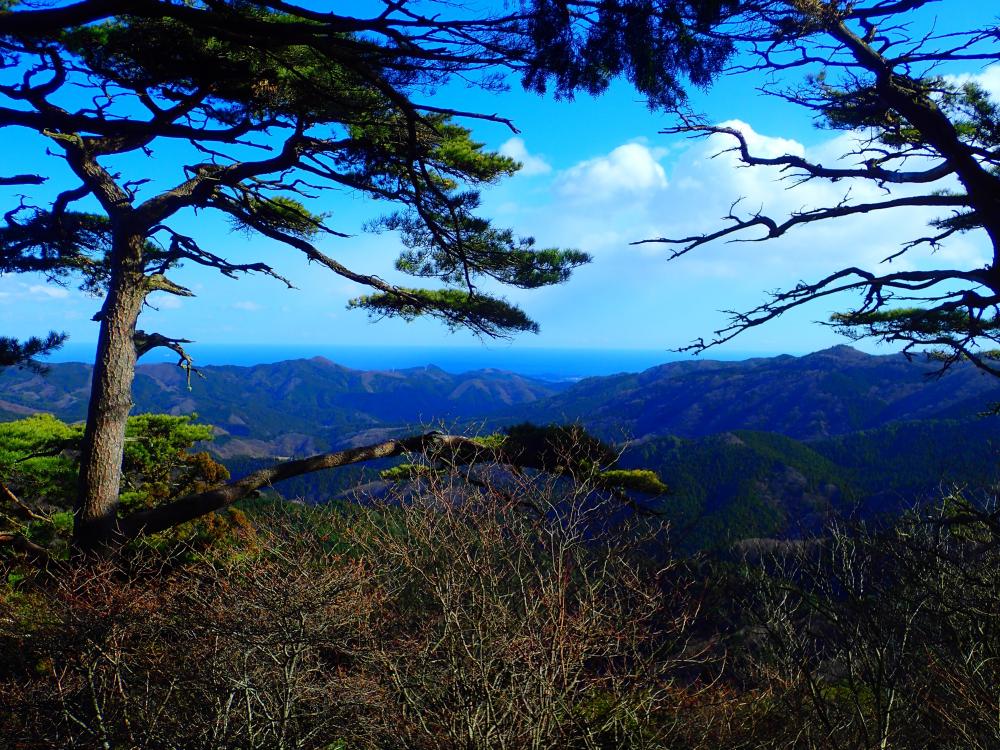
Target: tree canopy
(24,353)
(261,106)
(321,109)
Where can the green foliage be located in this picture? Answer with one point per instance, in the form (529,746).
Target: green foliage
(975,117)
(39,467)
(478,249)
(38,474)
(458,154)
(445,239)
(457,308)
(406,472)
(246,80)
(70,244)
(158,465)
(915,321)
(36,458)
(384,142)
(23,353)
(655,44)
(635,480)
(494,441)
(563,451)
(279,212)
(560,448)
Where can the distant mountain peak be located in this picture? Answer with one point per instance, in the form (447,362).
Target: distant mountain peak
(835,391)
(323,362)
(842,351)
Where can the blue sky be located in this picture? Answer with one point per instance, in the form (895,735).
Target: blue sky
(597,176)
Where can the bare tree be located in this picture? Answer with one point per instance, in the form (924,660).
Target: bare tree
(875,69)
(475,609)
(242,651)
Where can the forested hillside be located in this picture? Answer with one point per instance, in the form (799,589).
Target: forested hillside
(742,484)
(288,408)
(761,448)
(301,406)
(831,392)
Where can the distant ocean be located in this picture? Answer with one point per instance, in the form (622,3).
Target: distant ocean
(548,364)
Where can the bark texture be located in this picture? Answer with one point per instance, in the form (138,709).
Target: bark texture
(95,524)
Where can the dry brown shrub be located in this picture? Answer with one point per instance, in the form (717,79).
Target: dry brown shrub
(474,609)
(524,612)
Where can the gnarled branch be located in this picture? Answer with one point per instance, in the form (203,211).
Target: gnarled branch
(23,179)
(193,506)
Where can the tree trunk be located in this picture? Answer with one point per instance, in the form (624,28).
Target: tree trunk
(95,523)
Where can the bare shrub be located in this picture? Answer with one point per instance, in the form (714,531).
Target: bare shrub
(522,613)
(472,609)
(246,654)
(884,639)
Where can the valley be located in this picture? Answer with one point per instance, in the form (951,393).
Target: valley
(763,447)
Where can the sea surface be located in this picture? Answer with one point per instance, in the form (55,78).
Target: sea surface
(547,364)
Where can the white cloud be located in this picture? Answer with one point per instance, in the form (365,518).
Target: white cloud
(761,145)
(603,204)
(988,79)
(720,177)
(247,305)
(713,180)
(632,169)
(808,252)
(531,164)
(637,191)
(165,301)
(52,292)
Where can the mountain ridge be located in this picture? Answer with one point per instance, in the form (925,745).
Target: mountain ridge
(750,448)
(830,392)
(296,406)
(307,405)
